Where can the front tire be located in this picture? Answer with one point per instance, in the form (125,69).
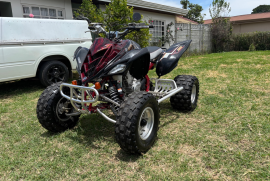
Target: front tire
(51,109)
(137,124)
(186,100)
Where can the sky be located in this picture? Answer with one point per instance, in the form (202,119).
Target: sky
(239,7)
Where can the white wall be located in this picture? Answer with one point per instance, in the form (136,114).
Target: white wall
(158,16)
(16,6)
(251,27)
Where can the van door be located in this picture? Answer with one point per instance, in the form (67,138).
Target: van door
(19,61)
(18,58)
(2,76)
(1,59)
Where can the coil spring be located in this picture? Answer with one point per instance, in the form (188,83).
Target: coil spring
(114,96)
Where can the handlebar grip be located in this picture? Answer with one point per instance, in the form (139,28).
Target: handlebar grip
(91,28)
(151,26)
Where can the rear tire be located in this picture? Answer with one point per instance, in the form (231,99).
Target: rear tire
(50,113)
(52,72)
(186,100)
(137,124)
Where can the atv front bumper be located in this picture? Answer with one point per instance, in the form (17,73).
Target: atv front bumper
(85,96)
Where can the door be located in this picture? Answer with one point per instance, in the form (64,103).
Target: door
(2,76)
(18,58)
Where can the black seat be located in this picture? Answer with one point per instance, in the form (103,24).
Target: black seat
(154,52)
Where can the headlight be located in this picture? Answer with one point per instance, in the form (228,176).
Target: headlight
(118,69)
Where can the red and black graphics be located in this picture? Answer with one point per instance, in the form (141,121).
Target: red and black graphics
(103,52)
(170,58)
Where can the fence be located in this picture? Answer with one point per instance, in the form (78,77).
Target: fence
(199,34)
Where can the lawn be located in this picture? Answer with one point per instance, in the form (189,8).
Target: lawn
(226,138)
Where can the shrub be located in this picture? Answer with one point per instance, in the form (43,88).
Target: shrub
(242,42)
(252,47)
(221,28)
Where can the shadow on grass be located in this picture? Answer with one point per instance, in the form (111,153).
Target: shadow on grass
(96,133)
(20,86)
(126,157)
(166,111)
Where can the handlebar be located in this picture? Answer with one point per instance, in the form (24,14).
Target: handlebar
(97,28)
(139,26)
(83,18)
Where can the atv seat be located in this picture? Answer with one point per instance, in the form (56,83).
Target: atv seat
(154,52)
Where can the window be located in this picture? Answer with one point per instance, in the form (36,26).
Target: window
(43,12)
(158,32)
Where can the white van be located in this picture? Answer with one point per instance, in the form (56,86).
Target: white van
(40,47)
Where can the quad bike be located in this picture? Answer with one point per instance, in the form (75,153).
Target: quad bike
(118,70)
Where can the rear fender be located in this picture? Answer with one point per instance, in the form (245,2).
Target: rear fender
(170,58)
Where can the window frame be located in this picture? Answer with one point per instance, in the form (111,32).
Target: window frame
(158,31)
(25,15)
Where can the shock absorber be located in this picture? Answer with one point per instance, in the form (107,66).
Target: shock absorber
(114,96)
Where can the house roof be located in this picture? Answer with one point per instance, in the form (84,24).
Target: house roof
(181,19)
(248,18)
(145,5)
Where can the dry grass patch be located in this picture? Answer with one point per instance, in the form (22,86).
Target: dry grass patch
(222,66)
(6,100)
(215,74)
(213,92)
(198,58)
(264,57)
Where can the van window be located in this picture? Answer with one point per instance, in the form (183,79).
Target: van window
(43,12)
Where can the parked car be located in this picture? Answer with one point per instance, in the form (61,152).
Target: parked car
(40,48)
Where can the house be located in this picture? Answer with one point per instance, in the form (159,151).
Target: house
(181,19)
(159,15)
(249,23)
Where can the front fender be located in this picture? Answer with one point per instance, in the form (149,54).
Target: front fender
(80,55)
(139,64)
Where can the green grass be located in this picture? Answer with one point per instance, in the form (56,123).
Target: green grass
(226,138)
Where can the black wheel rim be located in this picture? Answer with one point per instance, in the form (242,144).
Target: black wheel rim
(56,73)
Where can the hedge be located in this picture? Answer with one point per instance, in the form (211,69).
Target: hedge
(242,42)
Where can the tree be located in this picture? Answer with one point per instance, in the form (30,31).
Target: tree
(221,28)
(116,16)
(89,10)
(195,10)
(261,9)
(194,13)
(219,8)
(184,3)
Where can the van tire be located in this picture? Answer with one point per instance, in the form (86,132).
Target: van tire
(52,72)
